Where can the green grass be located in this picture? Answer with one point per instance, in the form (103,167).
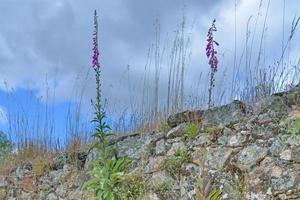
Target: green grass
(192,130)
(174,163)
(295,129)
(163,190)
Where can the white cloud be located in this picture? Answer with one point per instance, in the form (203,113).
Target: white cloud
(55,41)
(3,116)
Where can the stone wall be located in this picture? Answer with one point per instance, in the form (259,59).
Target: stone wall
(246,152)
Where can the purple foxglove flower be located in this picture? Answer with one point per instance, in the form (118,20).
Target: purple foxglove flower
(95,57)
(210,51)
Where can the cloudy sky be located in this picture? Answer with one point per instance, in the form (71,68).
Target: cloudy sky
(45,45)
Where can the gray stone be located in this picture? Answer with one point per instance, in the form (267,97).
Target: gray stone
(135,147)
(160,148)
(188,181)
(3,182)
(175,147)
(150,196)
(178,131)
(61,191)
(202,140)
(154,164)
(226,114)
(237,140)
(25,196)
(216,157)
(52,196)
(250,156)
(3,193)
(286,155)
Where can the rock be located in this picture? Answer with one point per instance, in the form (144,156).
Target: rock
(276,171)
(175,147)
(244,152)
(178,131)
(202,140)
(238,140)
(250,156)
(150,196)
(3,193)
(25,196)
(3,182)
(28,184)
(286,155)
(75,195)
(135,147)
(61,191)
(220,115)
(186,116)
(276,106)
(227,132)
(277,145)
(188,181)
(154,164)
(60,161)
(216,157)
(52,196)
(160,148)
(161,177)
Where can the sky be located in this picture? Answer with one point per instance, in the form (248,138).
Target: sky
(45,47)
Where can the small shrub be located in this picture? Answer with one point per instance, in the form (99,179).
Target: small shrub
(295,128)
(163,190)
(232,124)
(5,146)
(183,155)
(192,130)
(106,177)
(39,166)
(215,194)
(151,147)
(211,130)
(164,127)
(240,190)
(132,186)
(173,164)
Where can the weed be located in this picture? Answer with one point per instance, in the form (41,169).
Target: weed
(173,166)
(211,130)
(151,147)
(107,172)
(211,54)
(183,155)
(215,194)
(5,146)
(295,129)
(282,139)
(192,130)
(132,186)
(174,163)
(164,127)
(232,124)
(163,190)
(39,166)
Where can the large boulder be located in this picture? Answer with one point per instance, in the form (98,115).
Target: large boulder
(215,116)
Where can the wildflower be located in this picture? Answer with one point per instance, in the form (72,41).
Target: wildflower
(211,54)
(99,118)
(95,58)
(210,50)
